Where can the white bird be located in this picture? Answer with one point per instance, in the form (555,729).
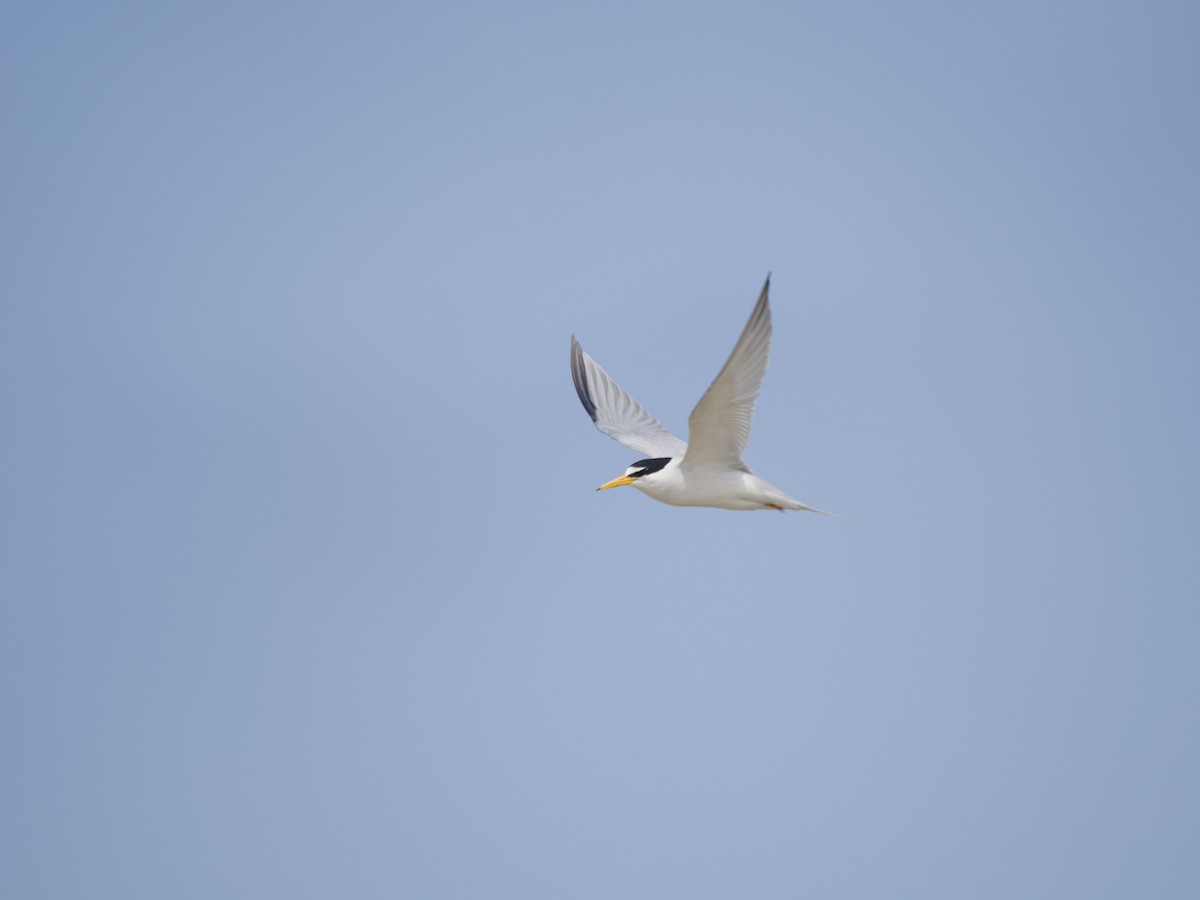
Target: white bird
(708,469)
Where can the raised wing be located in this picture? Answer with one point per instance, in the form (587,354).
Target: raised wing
(719,426)
(616,413)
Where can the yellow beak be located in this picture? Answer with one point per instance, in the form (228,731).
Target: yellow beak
(616,482)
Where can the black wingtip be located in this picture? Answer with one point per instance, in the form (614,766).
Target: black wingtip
(579,377)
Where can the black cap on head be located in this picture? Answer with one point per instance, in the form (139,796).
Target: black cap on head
(649,465)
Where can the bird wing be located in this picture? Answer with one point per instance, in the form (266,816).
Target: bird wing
(719,426)
(616,413)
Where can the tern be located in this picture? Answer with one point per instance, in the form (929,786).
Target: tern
(707,470)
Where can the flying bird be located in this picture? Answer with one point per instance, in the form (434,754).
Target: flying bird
(707,470)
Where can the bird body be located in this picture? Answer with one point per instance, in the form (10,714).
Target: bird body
(707,470)
(681,485)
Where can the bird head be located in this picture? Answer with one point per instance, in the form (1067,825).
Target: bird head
(640,469)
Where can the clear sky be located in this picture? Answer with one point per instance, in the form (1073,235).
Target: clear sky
(307,591)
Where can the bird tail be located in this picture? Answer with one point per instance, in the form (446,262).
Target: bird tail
(823,512)
(796,504)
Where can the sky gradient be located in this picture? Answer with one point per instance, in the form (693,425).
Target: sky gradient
(307,589)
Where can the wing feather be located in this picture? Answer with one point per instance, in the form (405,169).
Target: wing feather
(719,426)
(617,414)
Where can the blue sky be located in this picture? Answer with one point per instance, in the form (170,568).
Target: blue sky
(308,592)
